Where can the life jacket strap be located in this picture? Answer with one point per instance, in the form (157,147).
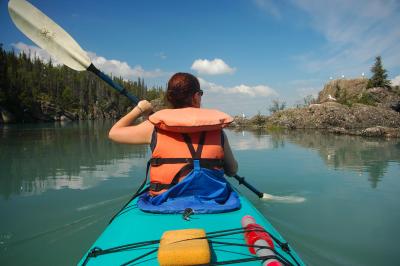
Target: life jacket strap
(189,143)
(204,162)
(156,187)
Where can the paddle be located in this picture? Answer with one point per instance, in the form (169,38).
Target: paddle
(265,196)
(56,41)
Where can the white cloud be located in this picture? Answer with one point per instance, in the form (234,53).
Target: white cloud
(238,99)
(213,67)
(116,67)
(255,91)
(252,91)
(35,52)
(123,69)
(396,81)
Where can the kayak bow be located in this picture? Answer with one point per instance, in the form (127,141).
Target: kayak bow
(134,238)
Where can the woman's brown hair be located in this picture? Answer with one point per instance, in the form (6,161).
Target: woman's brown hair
(181,88)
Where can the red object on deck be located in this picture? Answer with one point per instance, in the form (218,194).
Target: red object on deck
(256,235)
(257,232)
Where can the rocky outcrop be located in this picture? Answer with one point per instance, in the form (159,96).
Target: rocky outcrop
(378,131)
(50,112)
(353,91)
(342,89)
(385,98)
(41,111)
(240,122)
(335,115)
(6,117)
(344,107)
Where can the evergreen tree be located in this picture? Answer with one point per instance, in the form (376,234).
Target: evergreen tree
(379,77)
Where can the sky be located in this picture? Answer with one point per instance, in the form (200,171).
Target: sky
(245,53)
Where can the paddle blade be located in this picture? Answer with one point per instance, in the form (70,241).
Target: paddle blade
(283,199)
(48,35)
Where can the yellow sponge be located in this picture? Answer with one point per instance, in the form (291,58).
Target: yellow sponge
(180,248)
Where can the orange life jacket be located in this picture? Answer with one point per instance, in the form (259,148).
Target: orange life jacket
(180,136)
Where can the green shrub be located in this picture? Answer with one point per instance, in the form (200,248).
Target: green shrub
(367,99)
(274,128)
(258,119)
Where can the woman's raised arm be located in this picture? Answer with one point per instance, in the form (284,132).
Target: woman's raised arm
(124,132)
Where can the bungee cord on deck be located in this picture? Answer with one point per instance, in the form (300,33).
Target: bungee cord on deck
(96,251)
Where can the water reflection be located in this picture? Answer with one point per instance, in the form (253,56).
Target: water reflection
(35,158)
(358,154)
(249,140)
(362,155)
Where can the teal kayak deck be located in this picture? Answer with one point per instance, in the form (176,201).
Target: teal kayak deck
(132,225)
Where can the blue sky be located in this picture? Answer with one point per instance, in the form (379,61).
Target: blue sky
(245,52)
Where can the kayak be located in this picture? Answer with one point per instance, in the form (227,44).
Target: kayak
(133,238)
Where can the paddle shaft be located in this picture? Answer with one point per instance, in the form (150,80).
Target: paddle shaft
(242,181)
(113,84)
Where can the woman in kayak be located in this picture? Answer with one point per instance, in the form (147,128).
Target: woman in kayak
(190,151)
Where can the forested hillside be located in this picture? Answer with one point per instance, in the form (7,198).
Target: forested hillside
(33,90)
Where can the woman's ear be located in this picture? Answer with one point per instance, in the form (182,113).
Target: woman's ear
(196,100)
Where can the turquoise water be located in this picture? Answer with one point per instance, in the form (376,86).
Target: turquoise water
(61,183)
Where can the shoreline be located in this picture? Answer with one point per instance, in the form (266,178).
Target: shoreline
(374,132)
(377,131)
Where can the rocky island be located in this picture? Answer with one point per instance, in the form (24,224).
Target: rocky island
(344,106)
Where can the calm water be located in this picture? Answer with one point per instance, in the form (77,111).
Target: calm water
(60,184)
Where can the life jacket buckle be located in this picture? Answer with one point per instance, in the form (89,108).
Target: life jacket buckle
(187,213)
(158,186)
(155,162)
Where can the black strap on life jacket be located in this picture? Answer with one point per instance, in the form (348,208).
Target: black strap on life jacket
(209,163)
